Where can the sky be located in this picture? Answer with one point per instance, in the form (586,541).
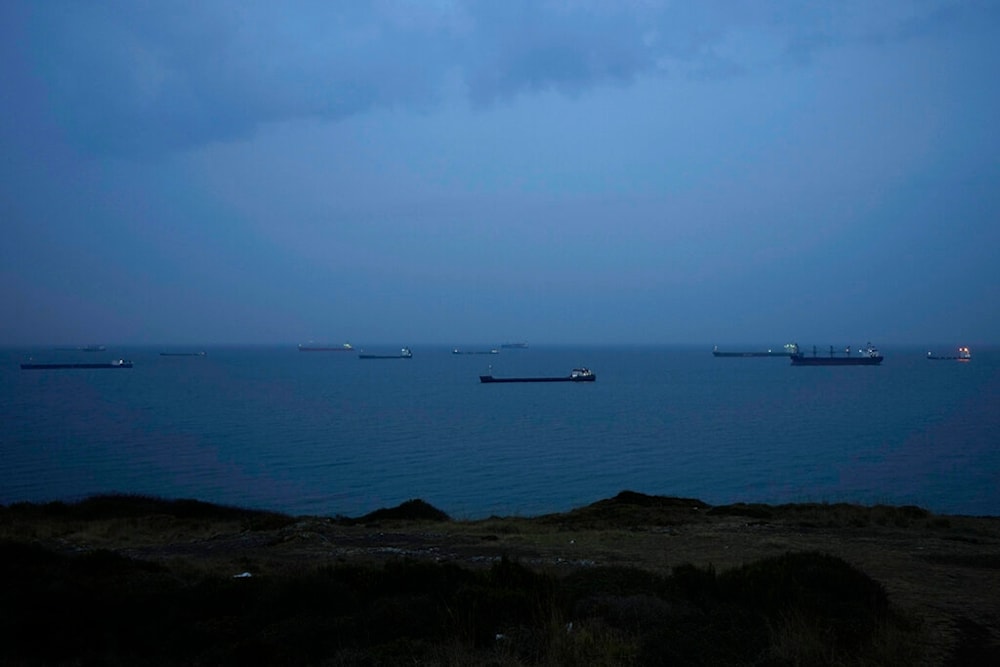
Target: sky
(434,171)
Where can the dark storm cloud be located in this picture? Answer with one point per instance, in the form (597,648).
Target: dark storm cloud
(143,78)
(343,168)
(138,78)
(527,46)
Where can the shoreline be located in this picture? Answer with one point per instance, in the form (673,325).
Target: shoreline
(939,570)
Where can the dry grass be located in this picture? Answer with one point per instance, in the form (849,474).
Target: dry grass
(940,573)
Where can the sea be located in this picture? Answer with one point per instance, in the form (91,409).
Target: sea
(330,434)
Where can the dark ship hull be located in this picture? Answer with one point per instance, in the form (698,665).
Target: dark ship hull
(787,351)
(578,375)
(405,353)
(963,355)
(38,367)
(716,353)
(868,357)
(803,360)
(490,379)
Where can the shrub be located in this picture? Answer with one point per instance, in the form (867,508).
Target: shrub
(830,594)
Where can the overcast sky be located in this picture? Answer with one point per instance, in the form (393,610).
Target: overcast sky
(465,172)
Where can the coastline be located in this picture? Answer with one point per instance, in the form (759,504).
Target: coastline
(937,570)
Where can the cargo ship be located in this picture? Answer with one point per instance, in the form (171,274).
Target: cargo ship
(866,357)
(461,351)
(963,355)
(313,347)
(403,354)
(787,351)
(514,346)
(578,375)
(120,363)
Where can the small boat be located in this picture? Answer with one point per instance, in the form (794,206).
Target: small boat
(460,351)
(315,347)
(120,363)
(787,351)
(578,375)
(963,355)
(869,356)
(403,354)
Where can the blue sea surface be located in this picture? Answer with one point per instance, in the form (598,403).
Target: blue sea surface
(331,434)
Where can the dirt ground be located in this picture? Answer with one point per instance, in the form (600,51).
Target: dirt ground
(941,571)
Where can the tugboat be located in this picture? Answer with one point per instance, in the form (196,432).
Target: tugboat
(963,355)
(870,356)
(403,354)
(578,375)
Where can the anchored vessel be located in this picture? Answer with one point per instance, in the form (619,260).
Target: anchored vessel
(314,347)
(963,355)
(866,357)
(578,375)
(787,351)
(120,363)
(403,354)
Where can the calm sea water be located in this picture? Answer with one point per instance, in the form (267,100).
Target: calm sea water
(327,433)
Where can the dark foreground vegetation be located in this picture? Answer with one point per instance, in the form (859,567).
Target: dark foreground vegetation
(117,581)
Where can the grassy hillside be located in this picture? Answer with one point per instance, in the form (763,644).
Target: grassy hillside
(633,579)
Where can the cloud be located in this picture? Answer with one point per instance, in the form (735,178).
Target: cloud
(146,78)
(524,46)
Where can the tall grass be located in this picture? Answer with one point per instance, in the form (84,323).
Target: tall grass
(100,607)
(103,608)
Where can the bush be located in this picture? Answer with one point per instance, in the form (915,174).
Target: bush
(827,592)
(104,608)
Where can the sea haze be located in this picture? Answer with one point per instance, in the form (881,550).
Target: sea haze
(328,433)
